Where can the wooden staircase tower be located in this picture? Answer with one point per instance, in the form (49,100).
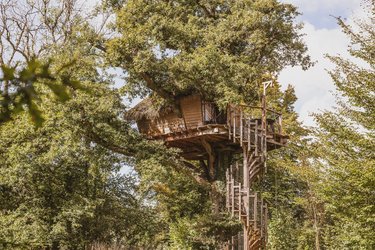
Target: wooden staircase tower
(251,134)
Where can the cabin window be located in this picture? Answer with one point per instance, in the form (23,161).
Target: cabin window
(212,114)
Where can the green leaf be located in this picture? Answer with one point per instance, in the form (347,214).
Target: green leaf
(8,73)
(59,90)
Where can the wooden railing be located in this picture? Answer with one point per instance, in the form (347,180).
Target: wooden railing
(249,207)
(251,127)
(269,120)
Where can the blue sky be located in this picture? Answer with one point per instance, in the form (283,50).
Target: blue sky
(319,12)
(314,87)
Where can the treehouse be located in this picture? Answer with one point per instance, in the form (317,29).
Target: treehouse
(206,133)
(200,121)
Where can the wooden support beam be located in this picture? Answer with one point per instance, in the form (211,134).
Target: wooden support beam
(233,200)
(234,126)
(239,202)
(256,211)
(241,127)
(256,138)
(248,135)
(229,122)
(211,158)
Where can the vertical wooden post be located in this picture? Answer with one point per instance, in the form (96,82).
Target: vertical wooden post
(241,127)
(234,125)
(248,135)
(248,207)
(239,201)
(245,238)
(245,168)
(232,196)
(261,218)
(256,138)
(228,188)
(266,226)
(229,120)
(255,210)
(262,141)
(246,188)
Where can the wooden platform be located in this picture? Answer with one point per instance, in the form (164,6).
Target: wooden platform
(191,141)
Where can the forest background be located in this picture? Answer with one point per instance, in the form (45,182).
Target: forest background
(64,138)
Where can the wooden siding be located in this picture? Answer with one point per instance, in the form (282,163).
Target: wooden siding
(191,107)
(163,125)
(148,127)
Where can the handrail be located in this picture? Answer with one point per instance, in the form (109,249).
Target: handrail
(247,109)
(256,107)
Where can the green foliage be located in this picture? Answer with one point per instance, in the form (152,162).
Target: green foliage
(59,181)
(57,186)
(288,185)
(345,148)
(220,49)
(60,185)
(19,91)
(184,204)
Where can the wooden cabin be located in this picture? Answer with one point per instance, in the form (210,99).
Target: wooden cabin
(199,120)
(195,113)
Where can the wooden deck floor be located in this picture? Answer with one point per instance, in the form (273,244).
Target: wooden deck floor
(217,135)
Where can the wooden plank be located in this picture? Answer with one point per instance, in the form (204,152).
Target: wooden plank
(248,135)
(255,210)
(256,138)
(233,204)
(228,188)
(239,201)
(241,127)
(211,157)
(234,126)
(248,207)
(191,107)
(261,217)
(229,121)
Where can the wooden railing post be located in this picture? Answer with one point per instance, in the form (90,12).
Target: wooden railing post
(234,125)
(241,127)
(239,201)
(255,210)
(248,134)
(256,138)
(229,121)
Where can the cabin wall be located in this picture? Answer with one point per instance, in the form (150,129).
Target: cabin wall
(170,123)
(163,125)
(148,127)
(195,113)
(191,108)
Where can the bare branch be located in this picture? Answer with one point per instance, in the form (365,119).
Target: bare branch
(36,28)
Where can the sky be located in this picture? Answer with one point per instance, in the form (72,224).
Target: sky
(314,88)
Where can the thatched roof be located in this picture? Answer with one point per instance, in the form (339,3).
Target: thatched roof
(148,108)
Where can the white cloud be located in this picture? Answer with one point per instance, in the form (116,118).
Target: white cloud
(314,87)
(313,6)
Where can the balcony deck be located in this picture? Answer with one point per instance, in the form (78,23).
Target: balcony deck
(217,135)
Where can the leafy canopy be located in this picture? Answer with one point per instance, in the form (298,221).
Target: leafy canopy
(220,49)
(346,142)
